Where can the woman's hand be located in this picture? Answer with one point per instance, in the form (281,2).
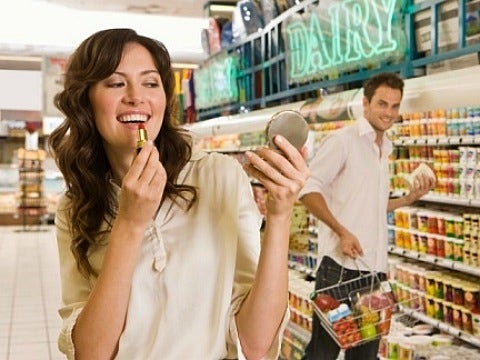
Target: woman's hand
(142,187)
(282,174)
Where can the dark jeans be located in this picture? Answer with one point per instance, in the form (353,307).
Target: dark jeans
(321,345)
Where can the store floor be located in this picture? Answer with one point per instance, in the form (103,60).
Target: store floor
(29,294)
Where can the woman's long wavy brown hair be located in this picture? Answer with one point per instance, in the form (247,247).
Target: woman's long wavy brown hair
(77,145)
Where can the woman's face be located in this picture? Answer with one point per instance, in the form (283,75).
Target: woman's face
(133,93)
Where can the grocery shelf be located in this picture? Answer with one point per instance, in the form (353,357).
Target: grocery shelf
(451,140)
(300,333)
(431,259)
(448,200)
(442,199)
(313,230)
(301,268)
(469,338)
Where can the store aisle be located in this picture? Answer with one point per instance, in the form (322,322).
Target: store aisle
(29,294)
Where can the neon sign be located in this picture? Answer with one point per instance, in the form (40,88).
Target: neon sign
(343,35)
(216,82)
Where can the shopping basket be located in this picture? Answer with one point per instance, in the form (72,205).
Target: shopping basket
(355,311)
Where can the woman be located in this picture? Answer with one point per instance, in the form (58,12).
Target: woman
(160,251)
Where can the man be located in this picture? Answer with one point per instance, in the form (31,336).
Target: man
(349,192)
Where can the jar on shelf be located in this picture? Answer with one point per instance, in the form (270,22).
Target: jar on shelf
(430,277)
(448,312)
(466,253)
(458,292)
(448,288)
(458,250)
(457,316)
(449,246)
(471,296)
(467,320)
(439,246)
(438,309)
(476,322)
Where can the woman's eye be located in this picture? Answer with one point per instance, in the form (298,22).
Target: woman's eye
(151,84)
(115,84)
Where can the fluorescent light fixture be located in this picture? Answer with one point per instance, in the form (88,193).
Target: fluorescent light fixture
(221,8)
(20,58)
(184,66)
(80,24)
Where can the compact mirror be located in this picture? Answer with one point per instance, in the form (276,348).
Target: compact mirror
(291,125)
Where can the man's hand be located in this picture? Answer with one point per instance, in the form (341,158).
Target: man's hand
(350,245)
(421,185)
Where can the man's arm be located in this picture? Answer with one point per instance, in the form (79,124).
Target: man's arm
(316,204)
(420,187)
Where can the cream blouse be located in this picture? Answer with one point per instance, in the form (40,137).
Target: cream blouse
(193,272)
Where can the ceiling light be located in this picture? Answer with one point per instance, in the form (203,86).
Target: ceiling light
(221,8)
(184,66)
(21,58)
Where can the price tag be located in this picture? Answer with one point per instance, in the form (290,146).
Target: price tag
(385,286)
(455,140)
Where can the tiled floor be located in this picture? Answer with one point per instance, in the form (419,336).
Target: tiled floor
(29,294)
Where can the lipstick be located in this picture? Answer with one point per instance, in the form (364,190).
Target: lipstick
(142,136)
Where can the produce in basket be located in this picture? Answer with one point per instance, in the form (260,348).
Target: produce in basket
(368,315)
(368,331)
(346,332)
(375,300)
(325,302)
(373,311)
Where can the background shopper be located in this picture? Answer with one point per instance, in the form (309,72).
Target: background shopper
(349,192)
(160,252)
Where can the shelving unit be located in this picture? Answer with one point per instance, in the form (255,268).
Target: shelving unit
(442,326)
(294,342)
(32,205)
(435,260)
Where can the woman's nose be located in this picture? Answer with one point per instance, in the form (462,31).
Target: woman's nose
(133,96)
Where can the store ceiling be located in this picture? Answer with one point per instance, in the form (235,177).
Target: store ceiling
(189,8)
(197,10)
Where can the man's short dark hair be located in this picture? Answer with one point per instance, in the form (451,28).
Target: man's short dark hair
(389,79)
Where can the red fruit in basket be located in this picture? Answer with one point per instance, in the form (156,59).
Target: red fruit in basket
(357,336)
(340,326)
(325,302)
(384,301)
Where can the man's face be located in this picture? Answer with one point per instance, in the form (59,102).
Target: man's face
(383,109)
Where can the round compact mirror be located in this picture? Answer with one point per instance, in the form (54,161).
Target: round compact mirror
(291,125)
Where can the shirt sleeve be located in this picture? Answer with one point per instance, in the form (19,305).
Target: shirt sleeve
(326,164)
(248,252)
(75,287)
